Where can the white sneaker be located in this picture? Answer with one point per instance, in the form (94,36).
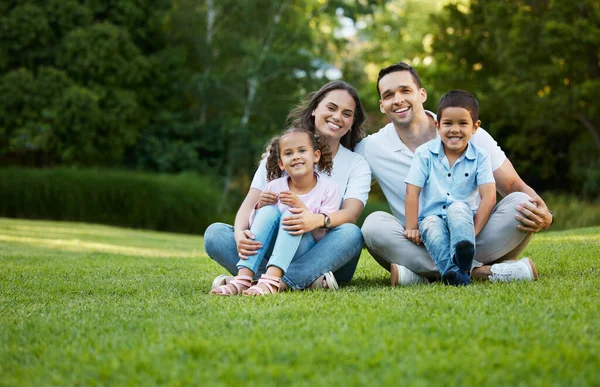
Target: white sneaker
(402,276)
(521,270)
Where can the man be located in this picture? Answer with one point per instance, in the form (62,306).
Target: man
(389,153)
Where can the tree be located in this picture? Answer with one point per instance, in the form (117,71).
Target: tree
(535,66)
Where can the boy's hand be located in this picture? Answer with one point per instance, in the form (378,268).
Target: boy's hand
(413,235)
(266,199)
(291,199)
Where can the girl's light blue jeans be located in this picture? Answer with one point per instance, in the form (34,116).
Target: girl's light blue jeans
(266,227)
(440,236)
(338,251)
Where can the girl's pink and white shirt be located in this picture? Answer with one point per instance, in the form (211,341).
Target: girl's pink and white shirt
(322,199)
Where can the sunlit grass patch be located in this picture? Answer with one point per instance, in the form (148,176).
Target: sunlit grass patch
(129,315)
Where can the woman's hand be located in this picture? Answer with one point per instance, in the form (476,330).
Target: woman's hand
(534,215)
(291,199)
(246,244)
(302,221)
(267,198)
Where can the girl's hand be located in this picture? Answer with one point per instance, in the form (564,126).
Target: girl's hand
(413,235)
(301,221)
(246,244)
(291,199)
(266,199)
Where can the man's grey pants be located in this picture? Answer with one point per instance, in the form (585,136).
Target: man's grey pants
(499,240)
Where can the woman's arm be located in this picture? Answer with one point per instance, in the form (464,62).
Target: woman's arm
(244,239)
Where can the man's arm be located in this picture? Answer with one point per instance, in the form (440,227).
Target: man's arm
(535,215)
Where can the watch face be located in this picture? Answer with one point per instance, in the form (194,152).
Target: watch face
(327,221)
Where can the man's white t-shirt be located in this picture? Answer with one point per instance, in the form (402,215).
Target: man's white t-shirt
(350,172)
(390,159)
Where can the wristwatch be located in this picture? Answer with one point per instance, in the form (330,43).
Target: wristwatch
(551,213)
(327,221)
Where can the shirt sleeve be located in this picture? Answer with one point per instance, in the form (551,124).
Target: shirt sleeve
(260,176)
(417,174)
(359,181)
(484,170)
(482,139)
(330,202)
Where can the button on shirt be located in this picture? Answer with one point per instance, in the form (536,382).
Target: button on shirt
(442,185)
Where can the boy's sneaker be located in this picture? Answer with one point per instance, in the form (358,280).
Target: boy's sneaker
(509,271)
(402,276)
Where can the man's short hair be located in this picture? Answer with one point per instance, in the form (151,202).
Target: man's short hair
(460,99)
(400,66)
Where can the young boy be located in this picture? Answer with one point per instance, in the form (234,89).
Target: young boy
(449,170)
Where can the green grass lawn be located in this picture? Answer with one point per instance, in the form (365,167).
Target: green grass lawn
(94,305)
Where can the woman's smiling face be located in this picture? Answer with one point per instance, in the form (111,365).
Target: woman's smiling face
(334,115)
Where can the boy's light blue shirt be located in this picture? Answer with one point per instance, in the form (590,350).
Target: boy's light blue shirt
(442,185)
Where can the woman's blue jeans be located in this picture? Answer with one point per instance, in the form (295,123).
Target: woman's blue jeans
(440,236)
(338,251)
(266,227)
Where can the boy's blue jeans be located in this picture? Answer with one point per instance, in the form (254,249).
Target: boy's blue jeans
(440,236)
(338,251)
(266,227)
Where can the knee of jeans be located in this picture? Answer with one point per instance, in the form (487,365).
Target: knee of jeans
(270,211)
(350,232)
(211,237)
(286,213)
(429,222)
(459,207)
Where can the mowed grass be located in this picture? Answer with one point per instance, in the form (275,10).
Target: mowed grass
(94,305)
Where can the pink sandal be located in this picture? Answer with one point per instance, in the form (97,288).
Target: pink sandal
(271,282)
(239,283)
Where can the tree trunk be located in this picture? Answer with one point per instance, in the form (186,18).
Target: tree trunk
(591,128)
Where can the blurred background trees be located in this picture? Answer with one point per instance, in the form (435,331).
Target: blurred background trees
(199,86)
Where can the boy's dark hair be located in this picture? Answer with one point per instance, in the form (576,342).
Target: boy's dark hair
(461,99)
(400,66)
(325,163)
(301,116)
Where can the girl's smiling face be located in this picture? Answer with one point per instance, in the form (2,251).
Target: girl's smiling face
(297,155)
(334,115)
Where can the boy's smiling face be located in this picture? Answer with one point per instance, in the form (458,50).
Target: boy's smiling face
(456,127)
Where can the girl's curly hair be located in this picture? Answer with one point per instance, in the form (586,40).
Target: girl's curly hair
(325,163)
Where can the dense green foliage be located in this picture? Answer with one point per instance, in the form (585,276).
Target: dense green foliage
(134,310)
(189,85)
(182,203)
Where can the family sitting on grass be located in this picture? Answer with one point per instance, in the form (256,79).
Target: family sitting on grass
(439,174)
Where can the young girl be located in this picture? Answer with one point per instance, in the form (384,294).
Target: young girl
(296,152)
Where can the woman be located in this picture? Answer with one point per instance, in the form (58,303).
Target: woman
(334,112)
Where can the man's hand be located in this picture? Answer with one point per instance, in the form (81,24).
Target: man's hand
(534,215)
(302,221)
(413,235)
(246,244)
(266,199)
(291,199)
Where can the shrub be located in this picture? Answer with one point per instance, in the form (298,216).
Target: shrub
(185,203)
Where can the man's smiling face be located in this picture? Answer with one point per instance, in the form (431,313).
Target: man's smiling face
(401,99)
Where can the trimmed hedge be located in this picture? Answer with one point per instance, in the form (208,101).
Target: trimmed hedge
(185,203)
